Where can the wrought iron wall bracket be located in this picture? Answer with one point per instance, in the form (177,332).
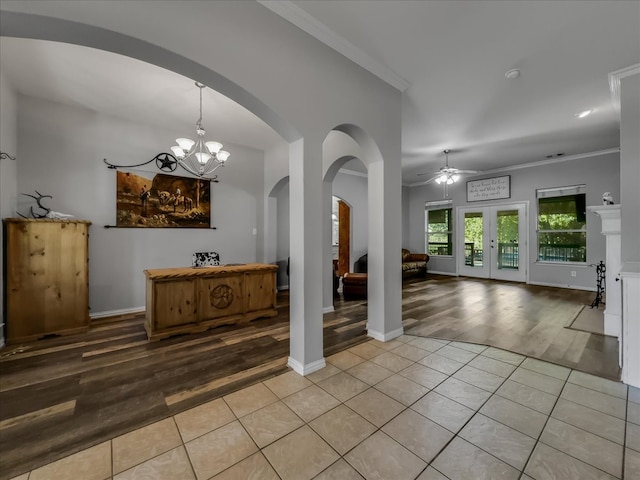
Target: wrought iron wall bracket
(165,162)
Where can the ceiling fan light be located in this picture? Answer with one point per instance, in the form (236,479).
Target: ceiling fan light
(450,181)
(455,177)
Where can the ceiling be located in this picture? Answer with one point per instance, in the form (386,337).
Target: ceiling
(448,57)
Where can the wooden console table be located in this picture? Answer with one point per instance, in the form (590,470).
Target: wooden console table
(189,300)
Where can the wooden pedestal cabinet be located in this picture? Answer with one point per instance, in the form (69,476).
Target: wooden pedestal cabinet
(46,277)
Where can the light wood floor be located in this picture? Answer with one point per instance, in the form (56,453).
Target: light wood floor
(61,395)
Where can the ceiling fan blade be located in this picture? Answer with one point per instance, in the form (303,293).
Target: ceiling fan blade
(431,180)
(470,172)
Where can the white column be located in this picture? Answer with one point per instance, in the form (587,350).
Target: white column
(384,276)
(327,250)
(630,338)
(610,215)
(305,281)
(270,226)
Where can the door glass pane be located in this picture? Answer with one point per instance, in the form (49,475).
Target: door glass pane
(473,239)
(507,234)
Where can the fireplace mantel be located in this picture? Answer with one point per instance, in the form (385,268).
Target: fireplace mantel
(610,216)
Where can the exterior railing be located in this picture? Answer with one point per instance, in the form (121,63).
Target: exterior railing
(440,248)
(472,257)
(509,254)
(562,253)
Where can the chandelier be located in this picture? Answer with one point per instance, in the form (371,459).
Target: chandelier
(199,157)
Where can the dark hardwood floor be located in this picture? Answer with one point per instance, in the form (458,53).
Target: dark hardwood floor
(60,395)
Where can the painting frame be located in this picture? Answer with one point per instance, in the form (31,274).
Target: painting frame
(157,200)
(494,188)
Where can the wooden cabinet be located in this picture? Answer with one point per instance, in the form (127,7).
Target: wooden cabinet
(46,277)
(189,300)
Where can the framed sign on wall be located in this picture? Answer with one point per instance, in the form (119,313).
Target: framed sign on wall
(489,189)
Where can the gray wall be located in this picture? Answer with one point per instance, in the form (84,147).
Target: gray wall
(630,167)
(62,148)
(350,188)
(353,190)
(599,173)
(8,169)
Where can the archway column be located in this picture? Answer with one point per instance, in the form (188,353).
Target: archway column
(385,250)
(327,246)
(305,282)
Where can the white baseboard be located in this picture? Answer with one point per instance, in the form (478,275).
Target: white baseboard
(302,369)
(283,287)
(385,337)
(562,285)
(328,309)
(113,313)
(451,274)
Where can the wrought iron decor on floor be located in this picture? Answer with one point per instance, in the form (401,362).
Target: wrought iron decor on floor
(600,284)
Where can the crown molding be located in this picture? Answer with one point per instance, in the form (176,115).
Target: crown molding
(614,83)
(301,19)
(540,163)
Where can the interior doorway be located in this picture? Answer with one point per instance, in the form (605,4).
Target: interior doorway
(492,242)
(341,220)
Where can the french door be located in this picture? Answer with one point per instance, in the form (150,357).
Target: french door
(492,242)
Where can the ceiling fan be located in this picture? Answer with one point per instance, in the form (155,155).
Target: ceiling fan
(447,174)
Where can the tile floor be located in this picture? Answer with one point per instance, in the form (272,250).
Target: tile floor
(413,408)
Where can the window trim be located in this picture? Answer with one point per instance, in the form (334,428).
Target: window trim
(439,205)
(556,192)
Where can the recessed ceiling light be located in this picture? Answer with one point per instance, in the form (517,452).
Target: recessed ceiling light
(583,114)
(511,74)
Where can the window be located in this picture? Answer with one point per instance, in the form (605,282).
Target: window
(562,224)
(439,231)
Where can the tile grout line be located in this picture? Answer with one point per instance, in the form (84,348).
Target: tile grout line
(538,441)
(565,453)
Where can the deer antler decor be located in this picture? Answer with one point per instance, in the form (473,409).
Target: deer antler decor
(38,200)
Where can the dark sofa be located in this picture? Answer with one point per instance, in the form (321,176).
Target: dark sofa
(413,264)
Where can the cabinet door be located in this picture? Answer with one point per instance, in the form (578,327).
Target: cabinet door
(65,282)
(25,285)
(261,290)
(47,278)
(175,303)
(220,296)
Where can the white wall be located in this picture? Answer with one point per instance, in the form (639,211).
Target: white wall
(62,148)
(599,173)
(8,169)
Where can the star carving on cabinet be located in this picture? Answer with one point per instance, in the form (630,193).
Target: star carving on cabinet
(221,296)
